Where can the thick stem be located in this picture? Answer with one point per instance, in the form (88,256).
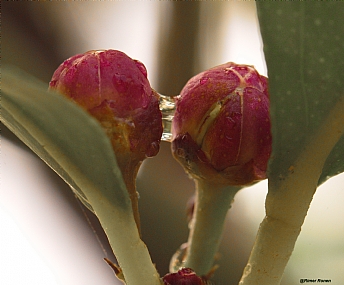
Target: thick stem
(212,204)
(287,204)
(130,251)
(272,249)
(122,227)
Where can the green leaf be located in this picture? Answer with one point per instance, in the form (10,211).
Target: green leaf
(74,144)
(303,46)
(69,140)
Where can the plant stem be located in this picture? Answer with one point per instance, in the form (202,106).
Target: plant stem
(287,204)
(211,206)
(131,252)
(129,172)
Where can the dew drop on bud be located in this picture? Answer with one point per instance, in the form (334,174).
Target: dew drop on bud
(203,80)
(153,149)
(178,259)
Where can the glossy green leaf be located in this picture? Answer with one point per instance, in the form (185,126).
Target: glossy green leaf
(63,135)
(304,47)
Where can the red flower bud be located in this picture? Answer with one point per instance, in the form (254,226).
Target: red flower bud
(184,276)
(114,89)
(221,127)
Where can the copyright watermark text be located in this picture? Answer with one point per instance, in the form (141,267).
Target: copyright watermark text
(319,280)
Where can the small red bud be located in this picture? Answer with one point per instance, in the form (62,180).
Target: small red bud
(114,89)
(221,127)
(184,276)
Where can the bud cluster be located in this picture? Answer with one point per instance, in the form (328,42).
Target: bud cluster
(220,134)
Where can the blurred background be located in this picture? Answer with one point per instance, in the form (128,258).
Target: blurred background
(47,237)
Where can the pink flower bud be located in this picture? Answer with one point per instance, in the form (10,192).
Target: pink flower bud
(221,127)
(114,89)
(184,276)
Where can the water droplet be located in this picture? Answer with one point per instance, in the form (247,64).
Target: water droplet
(178,259)
(153,149)
(231,120)
(167,107)
(203,80)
